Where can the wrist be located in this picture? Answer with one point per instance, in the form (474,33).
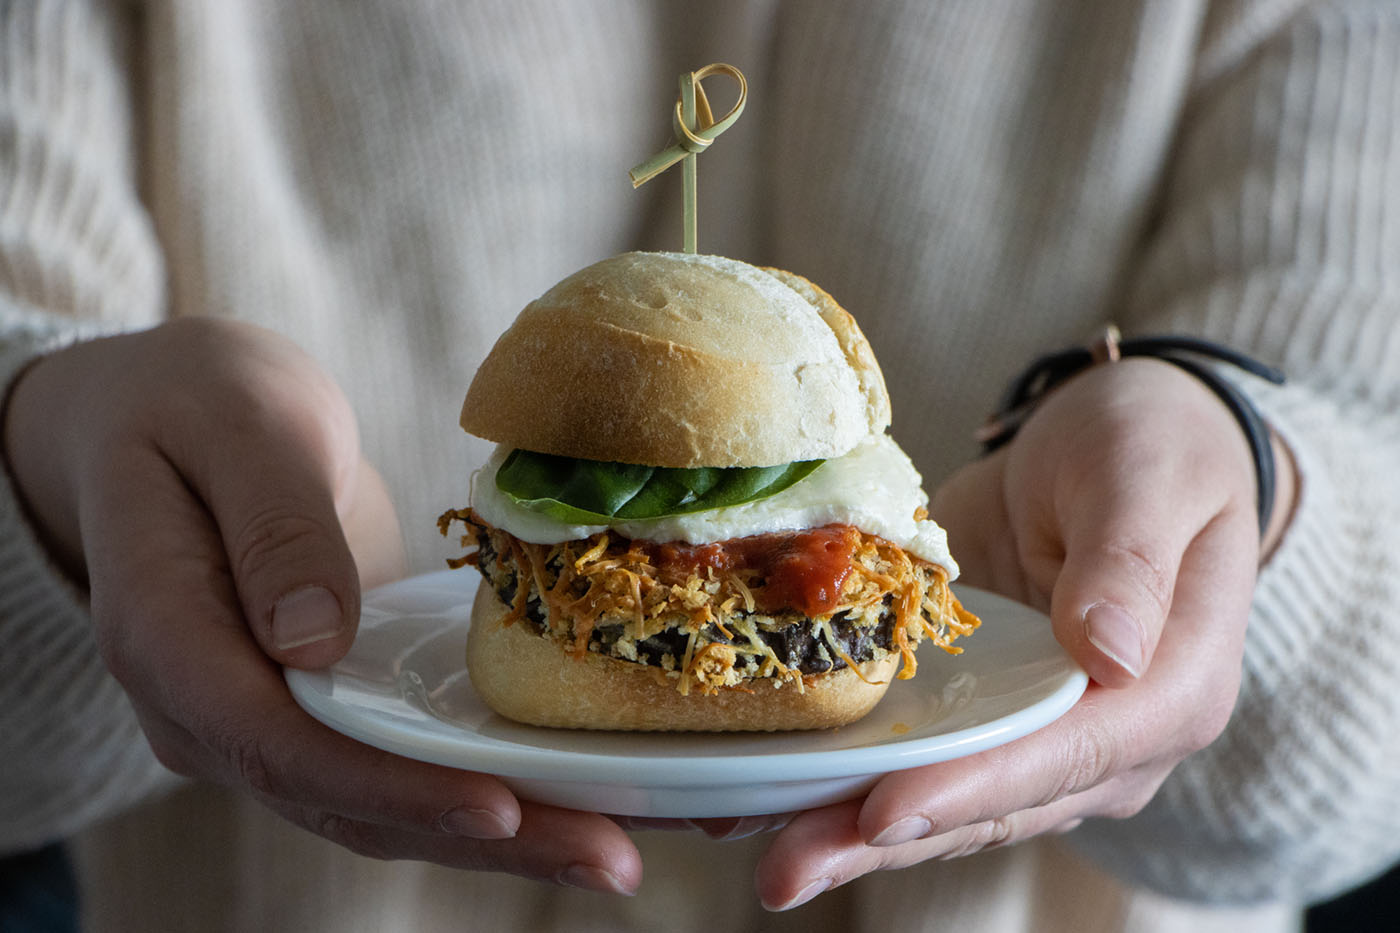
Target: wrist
(1048,372)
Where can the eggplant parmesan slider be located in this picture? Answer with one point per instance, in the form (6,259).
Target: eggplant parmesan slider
(694,518)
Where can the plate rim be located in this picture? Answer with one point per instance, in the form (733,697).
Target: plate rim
(504,758)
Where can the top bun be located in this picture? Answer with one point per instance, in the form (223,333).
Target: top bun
(680,360)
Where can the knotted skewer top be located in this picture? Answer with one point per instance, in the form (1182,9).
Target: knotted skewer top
(695,129)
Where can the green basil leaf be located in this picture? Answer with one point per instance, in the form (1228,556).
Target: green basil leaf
(593,492)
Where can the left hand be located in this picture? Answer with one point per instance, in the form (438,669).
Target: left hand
(1125,509)
(205,479)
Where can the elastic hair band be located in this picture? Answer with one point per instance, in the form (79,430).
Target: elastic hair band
(1044,374)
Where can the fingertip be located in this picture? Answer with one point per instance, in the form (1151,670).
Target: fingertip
(610,870)
(807,893)
(629,872)
(594,878)
(575,848)
(819,849)
(906,805)
(897,833)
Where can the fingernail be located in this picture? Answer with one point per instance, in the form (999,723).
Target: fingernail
(476,824)
(1117,634)
(592,878)
(306,616)
(902,831)
(803,896)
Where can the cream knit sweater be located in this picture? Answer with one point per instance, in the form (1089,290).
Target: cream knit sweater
(977,180)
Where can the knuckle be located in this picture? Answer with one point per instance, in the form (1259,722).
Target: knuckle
(1212,720)
(1133,798)
(169,742)
(1086,759)
(255,384)
(215,332)
(172,751)
(1204,728)
(264,538)
(1144,571)
(1127,807)
(171,757)
(112,645)
(118,616)
(250,762)
(1207,701)
(354,835)
(998,832)
(988,834)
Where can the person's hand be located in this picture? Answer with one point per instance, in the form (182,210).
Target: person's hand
(1125,509)
(205,480)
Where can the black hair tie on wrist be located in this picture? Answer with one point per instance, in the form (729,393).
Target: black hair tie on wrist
(1049,371)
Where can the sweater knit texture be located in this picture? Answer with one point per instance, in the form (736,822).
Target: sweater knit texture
(977,181)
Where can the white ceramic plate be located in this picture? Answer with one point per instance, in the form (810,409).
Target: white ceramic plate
(403,688)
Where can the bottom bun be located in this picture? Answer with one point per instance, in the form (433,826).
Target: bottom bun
(528,678)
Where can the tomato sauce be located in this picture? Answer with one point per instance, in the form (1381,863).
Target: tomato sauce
(802,570)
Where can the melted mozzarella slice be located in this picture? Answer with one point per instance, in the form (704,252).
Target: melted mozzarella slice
(874,487)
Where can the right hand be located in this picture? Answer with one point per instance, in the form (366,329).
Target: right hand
(205,480)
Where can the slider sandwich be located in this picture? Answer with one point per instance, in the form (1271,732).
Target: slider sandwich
(694,519)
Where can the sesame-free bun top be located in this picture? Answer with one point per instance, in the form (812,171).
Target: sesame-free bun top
(674,359)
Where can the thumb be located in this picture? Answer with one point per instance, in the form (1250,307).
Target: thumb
(1114,591)
(292,566)
(275,484)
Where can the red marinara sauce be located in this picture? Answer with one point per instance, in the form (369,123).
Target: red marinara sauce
(802,570)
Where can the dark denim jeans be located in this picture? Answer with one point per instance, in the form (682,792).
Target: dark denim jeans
(38,893)
(1374,906)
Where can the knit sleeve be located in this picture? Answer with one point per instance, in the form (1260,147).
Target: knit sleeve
(1281,235)
(77,257)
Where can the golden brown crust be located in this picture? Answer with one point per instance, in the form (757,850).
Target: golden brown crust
(531,679)
(669,359)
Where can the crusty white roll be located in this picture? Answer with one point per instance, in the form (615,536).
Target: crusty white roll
(680,360)
(531,679)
